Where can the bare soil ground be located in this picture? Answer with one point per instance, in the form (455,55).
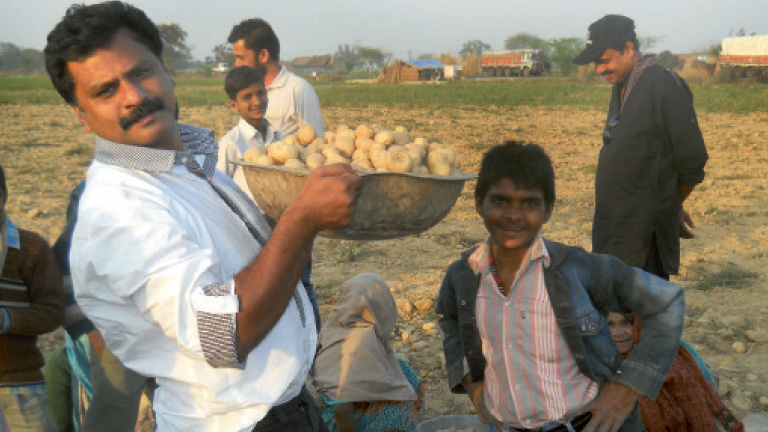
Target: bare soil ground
(725,269)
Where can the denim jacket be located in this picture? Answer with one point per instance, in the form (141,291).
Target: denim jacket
(582,287)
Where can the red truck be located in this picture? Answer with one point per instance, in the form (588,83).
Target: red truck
(520,62)
(746,56)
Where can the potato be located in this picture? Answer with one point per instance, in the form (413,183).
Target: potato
(305,152)
(449,155)
(306,133)
(364,143)
(401,138)
(318,142)
(423,170)
(295,164)
(433,146)
(345,145)
(379,158)
(253,153)
(291,139)
(364,131)
(359,155)
(342,129)
(281,151)
(416,153)
(330,137)
(438,165)
(400,162)
(384,137)
(265,160)
(334,159)
(315,160)
(401,129)
(421,141)
(377,128)
(377,146)
(363,165)
(329,151)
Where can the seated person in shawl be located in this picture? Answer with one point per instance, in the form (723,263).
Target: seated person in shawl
(360,384)
(687,400)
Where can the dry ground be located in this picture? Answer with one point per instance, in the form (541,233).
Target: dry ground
(725,269)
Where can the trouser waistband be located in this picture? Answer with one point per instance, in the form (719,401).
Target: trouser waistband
(575,424)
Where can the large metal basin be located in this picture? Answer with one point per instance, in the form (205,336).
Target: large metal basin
(391,205)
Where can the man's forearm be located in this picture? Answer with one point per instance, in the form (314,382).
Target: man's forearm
(265,287)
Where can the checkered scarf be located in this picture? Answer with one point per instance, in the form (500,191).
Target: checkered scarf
(637,71)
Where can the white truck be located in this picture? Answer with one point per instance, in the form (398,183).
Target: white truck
(747,56)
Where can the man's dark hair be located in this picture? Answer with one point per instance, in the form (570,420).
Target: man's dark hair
(526,165)
(85,29)
(241,78)
(258,35)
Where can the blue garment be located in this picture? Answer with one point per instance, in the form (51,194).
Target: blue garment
(383,416)
(582,288)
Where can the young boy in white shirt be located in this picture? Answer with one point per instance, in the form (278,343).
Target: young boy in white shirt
(247,96)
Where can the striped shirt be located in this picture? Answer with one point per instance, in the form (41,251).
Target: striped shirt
(531,378)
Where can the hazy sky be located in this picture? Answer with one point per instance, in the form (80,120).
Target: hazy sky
(416,26)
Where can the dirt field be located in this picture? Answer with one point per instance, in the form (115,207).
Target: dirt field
(724,270)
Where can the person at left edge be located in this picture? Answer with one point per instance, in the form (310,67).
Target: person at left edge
(174,265)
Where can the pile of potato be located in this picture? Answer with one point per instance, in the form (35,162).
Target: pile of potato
(369,148)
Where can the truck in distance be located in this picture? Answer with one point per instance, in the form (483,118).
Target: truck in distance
(519,62)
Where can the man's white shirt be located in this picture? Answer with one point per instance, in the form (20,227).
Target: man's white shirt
(233,145)
(147,247)
(292,100)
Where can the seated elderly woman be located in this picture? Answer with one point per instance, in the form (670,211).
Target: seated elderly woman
(359,383)
(687,400)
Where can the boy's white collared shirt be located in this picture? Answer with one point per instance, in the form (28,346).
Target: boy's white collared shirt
(233,145)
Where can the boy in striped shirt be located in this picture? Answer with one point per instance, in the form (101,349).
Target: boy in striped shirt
(524,318)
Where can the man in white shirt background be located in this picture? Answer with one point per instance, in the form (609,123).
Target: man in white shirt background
(171,261)
(292,100)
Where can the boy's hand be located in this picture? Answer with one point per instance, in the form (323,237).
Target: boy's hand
(611,407)
(686,225)
(475,392)
(327,199)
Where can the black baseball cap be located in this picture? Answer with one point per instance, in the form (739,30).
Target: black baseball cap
(610,31)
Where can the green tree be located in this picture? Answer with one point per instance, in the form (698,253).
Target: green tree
(222,53)
(345,57)
(176,53)
(371,58)
(525,40)
(648,42)
(10,57)
(563,51)
(475,46)
(666,58)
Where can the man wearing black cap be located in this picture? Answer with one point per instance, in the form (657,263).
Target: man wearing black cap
(653,153)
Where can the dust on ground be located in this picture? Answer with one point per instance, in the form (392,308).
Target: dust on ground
(724,269)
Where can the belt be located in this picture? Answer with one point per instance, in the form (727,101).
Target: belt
(575,424)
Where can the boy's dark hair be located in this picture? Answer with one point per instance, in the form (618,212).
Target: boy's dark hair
(85,29)
(526,165)
(241,78)
(258,35)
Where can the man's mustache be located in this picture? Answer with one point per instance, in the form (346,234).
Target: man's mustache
(145,108)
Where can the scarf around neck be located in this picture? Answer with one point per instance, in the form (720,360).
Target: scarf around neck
(637,72)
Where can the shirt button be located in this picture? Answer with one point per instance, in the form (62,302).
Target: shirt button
(463,303)
(184,159)
(592,327)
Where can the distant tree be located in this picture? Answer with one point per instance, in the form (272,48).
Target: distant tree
(222,53)
(20,60)
(345,57)
(563,51)
(371,58)
(648,42)
(715,50)
(475,46)
(666,58)
(175,50)
(525,40)
(10,56)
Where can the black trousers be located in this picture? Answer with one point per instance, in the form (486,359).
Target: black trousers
(297,415)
